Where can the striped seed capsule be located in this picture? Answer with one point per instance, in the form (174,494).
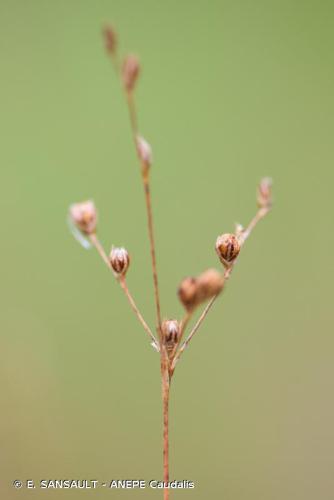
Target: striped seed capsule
(227,248)
(119,260)
(170,334)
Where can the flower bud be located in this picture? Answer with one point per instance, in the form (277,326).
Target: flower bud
(119,260)
(264,193)
(194,291)
(84,216)
(170,334)
(227,248)
(130,72)
(144,152)
(110,40)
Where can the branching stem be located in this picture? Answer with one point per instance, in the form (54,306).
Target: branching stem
(122,281)
(262,212)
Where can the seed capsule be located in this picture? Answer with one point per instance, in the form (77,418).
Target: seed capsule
(194,291)
(119,260)
(110,39)
(130,72)
(187,292)
(171,334)
(264,193)
(227,248)
(209,284)
(84,216)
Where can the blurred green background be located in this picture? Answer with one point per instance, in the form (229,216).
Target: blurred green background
(230,92)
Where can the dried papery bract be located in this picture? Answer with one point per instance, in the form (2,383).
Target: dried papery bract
(227,248)
(84,216)
(130,72)
(119,260)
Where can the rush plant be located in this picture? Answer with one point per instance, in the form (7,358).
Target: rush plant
(168,338)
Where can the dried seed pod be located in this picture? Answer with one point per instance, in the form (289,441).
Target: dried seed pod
(171,334)
(119,260)
(209,284)
(227,248)
(144,152)
(110,39)
(195,291)
(187,292)
(130,72)
(84,216)
(264,193)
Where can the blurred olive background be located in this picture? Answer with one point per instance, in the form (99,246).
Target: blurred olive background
(229,92)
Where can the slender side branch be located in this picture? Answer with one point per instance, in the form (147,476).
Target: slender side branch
(193,331)
(97,244)
(122,282)
(262,212)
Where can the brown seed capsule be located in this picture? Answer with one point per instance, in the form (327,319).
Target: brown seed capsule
(187,292)
(209,284)
(171,334)
(84,216)
(110,39)
(144,152)
(130,72)
(194,291)
(264,193)
(227,248)
(119,260)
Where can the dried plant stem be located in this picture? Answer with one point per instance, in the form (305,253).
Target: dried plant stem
(262,212)
(134,129)
(133,115)
(152,247)
(165,403)
(193,331)
(147,191)
(97,244)
(122,282)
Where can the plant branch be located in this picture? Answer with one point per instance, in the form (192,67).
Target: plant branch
(122,282)
(148,202)
(193,331)
(97,244)
(262,212)
(145,176)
